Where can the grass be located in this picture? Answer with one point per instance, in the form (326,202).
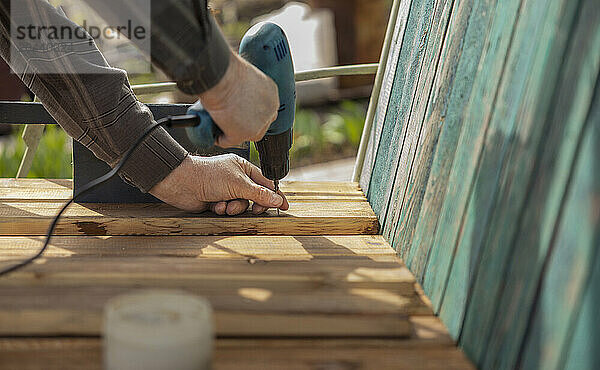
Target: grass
(52,159)
(319,136)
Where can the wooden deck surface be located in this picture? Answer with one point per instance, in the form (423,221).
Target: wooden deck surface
(311,289)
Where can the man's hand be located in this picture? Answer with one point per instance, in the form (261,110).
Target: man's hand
(222,184)
(243,104)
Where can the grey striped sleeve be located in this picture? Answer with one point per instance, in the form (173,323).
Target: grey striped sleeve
(97,107)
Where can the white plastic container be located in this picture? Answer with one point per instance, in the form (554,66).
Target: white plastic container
(156,329)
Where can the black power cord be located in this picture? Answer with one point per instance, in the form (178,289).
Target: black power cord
(177,121)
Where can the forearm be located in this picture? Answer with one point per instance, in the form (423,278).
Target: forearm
(96,107)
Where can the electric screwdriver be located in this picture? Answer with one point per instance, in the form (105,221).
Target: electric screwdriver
(265,46)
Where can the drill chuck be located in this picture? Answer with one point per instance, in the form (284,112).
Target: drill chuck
(274,154)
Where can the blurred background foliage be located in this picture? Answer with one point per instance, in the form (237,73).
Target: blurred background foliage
(52,160)
(320,134)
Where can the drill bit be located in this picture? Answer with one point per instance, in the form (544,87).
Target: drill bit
(276,191)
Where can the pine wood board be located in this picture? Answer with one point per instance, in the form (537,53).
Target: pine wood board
(44,189)
(428,347)
(319,286)
(303,218)
(66,295)
(266,248)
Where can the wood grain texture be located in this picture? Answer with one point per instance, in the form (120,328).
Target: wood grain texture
(450,209)
(582,352)
(468,159)
(395,125)
(304,218)
(569,107)
(467,171)
(257,285)
(460,66)
(28,206)
(473,159)
(415,353)
(571,260)
(385,95)
(413,140)
(518,170)
(62,190)
(265,248)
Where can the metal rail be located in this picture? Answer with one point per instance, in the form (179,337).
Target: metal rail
(385,51)
(33,114)
(312,74)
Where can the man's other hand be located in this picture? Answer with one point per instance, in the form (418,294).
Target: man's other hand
(223,184)
(243,104)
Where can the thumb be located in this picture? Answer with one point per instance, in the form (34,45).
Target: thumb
(262,196)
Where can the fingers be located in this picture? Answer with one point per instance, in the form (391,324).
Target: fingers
(219,208)
(230,208)
(236,207)
(256,175)
(257,209)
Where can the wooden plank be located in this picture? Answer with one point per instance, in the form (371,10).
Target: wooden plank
(385,94)
(582,352)
(566,121)
(265,248)
(440,244)
(435,38)
(44,195)
(72,322)
(44,190)
(70,303)
(36,183)
(410,62)
(327,286)
(70,353)
(303,218)
(467,206)
(467,27)
(571,260)
(472,139)
(451,50)
(496,239)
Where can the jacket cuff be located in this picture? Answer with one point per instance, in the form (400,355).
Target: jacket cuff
(153,160)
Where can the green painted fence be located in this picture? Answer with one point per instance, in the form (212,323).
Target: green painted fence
(483,167)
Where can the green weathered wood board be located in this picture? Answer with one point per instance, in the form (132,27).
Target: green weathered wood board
(472,46)
(513,120)
(398,109)
(497,243)
(434,124)
(571,257)
(472,162)
(470,150)
(465,163)
(548,188)
(420,101)
(583,353)
(384,95)
(451,48)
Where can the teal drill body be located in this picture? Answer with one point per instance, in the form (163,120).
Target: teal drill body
(265,46)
